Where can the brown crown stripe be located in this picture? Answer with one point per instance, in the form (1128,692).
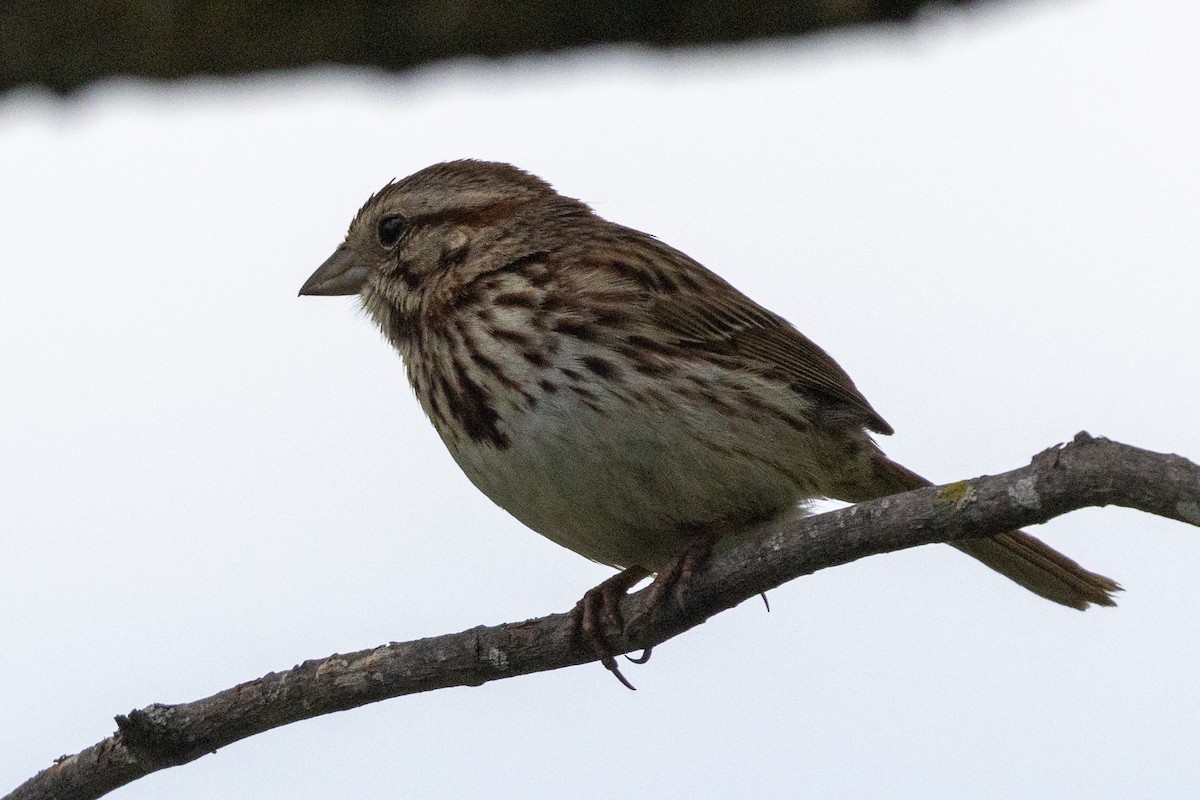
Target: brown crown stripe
(473,216)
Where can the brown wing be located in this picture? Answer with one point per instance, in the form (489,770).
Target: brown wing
(706,312)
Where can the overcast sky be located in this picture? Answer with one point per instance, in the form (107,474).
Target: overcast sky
(991,220)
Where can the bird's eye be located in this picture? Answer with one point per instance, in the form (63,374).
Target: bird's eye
(390,229)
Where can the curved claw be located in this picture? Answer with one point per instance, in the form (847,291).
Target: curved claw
(643,658)
(600,612)
(610,664)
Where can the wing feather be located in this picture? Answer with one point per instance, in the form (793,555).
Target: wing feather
(704,311)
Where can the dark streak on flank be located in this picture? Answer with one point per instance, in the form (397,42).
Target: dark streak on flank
(470,405)
(490,366)
(599,411)
(583,331)
(583,391)
(518,338)
(650,369)
(534,357)
(588,398)
(600,367)
(498,373)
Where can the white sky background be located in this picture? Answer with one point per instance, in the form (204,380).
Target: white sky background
(992,221)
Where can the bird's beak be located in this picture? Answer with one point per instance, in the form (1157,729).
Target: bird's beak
(340,274)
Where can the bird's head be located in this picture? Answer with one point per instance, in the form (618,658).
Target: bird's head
(417,241)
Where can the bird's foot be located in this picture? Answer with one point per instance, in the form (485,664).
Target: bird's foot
(680,573)
(597,617)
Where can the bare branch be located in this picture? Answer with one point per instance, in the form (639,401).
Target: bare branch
(1087,472)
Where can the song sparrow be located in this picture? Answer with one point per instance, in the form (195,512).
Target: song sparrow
(610,392)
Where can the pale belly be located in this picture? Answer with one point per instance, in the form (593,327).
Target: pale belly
(630,486)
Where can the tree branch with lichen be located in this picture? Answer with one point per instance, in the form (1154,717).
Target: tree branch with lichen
(1086,472)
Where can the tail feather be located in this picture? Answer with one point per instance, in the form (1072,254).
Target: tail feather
(1016,555)
(1041,569)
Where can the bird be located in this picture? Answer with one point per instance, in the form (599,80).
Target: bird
(613,394)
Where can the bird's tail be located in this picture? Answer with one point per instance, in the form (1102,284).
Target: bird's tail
(1016,555)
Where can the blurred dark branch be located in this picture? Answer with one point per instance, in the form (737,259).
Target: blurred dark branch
(1086,472)
(65,46)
